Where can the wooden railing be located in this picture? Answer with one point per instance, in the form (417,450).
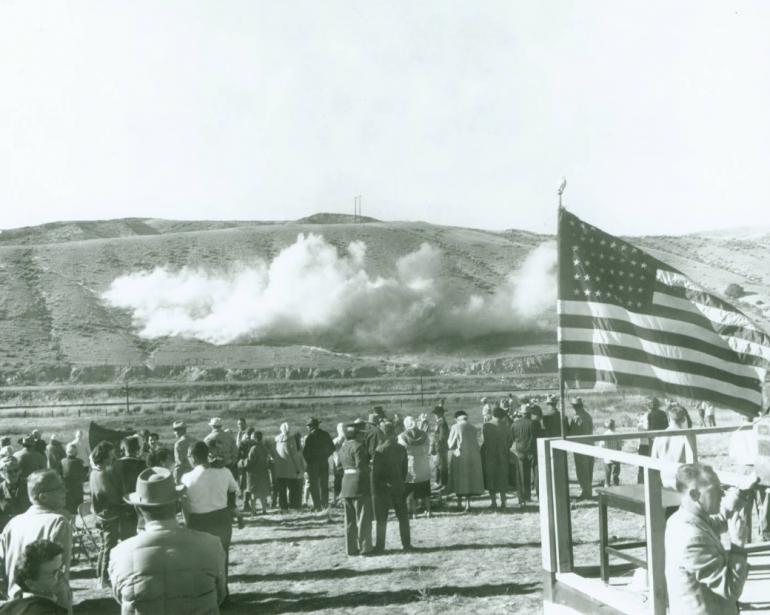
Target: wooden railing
(555,512)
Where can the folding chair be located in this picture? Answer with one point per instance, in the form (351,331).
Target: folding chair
(82,535)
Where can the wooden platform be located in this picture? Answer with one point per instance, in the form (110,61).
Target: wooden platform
(584,592)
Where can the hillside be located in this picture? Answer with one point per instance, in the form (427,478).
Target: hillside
(55,326)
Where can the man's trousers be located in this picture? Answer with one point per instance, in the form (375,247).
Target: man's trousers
(358,524)
(524,477)
(584,468)
(109,532)
(383,502)
(318,476)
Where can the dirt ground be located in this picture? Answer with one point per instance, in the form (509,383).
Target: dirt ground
(483,562)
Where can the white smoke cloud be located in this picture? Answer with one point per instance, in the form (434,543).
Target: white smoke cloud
(312,294)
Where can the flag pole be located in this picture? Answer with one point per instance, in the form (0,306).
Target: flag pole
(562,388)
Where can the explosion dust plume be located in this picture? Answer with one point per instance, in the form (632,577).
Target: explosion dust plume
(311,294)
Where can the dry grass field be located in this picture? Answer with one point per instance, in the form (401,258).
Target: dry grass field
(483,562)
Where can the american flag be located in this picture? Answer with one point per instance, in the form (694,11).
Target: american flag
(628,319)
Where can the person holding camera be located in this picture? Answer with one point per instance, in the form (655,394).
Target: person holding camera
(703,576)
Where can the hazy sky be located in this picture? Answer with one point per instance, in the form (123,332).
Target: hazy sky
(465,113)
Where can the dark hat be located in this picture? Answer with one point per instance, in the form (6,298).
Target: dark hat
(154,487)
(460,413)
(27,441)
(577,402)
(438,410)
(313,422)
(351,429)
(378,411)
(653,403)
(177,425)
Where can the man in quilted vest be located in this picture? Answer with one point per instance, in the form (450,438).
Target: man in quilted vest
(167,569)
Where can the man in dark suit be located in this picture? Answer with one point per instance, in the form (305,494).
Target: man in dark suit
(317,450)
(389,472)
(356,492)
(525,434)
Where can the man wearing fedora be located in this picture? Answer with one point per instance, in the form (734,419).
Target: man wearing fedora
(167,569)
(181,450)
(317,450)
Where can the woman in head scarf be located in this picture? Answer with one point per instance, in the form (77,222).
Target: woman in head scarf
(288,470)
(417,446)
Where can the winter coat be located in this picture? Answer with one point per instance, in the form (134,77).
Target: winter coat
(465,474)
(356,480)
(168,570)
(417,447)
(74,474)
(288,460)
(318,448)
(389,468)
(494,457)
(256,466)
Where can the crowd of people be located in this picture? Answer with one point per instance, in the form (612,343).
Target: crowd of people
(139,489)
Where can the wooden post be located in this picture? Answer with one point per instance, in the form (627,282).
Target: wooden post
(547,522)
(561,511)
(655,522)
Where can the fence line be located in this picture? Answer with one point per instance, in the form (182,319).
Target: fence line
(127,403)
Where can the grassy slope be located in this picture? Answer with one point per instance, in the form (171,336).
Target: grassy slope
(50,314)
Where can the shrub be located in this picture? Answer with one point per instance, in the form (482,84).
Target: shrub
(734,291)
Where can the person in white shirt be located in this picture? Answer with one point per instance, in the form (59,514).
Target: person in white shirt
(611,468)
(677,449)
(205,505)
(744,450)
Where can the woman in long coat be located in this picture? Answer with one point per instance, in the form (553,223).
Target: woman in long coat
(494,458)
(256,467)
(288,470)
(465,476)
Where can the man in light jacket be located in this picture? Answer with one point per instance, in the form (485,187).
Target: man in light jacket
(167,569)
(43,520)
(704,577)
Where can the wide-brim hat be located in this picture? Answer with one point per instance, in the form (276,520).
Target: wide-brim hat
(154,487)
(312,422)
(177,425)
(215,422)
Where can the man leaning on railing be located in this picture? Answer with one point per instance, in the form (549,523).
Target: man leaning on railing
(705,577)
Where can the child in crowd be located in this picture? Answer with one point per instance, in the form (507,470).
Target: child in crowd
(611,468)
